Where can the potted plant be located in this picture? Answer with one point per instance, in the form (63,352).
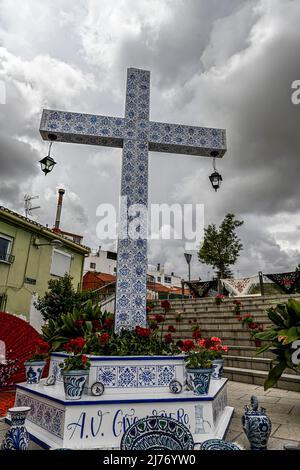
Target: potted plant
(219,299)
(282,339)
(214,345)
(35,364)
(75,369)
(198,364)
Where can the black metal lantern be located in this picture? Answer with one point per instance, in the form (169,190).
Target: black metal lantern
(215,177)
(47,163)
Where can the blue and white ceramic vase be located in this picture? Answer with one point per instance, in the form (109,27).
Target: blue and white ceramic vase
(17,437)
(74,382)
(257,425)
(34,371)
(198,380)
(218,367)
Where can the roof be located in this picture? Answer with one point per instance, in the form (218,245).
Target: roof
(103,277)
(41,230)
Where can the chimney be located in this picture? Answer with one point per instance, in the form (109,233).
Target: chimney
(61,193)
(158,267)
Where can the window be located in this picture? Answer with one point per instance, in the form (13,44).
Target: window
(93,265)
(5,249)
(158,279)
(111,255)
(2,302)
(115,269)
(61,263)
(168,280)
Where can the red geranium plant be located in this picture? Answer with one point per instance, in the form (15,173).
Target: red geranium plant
(40,352)
(214,345)
(77,360)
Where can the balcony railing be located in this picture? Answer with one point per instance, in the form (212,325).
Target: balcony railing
(7,258)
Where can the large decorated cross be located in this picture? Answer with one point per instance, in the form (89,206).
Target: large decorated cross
(136,134)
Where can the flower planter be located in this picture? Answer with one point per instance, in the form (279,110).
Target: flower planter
(218,367)
(128,374)
(34,371)
(17,437)
(74,382)
(198,380)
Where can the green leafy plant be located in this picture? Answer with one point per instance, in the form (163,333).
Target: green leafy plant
(60,298)
(97,330)
(280,338)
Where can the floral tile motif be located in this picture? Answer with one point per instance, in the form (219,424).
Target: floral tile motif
(136,135)
(147,376)
(165,374)
(47,417)
(127,376)
(107,375)
(219,404)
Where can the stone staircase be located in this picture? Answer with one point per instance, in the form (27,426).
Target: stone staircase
(241,364)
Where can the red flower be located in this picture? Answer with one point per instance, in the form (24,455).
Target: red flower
(109,322)
(143,332)
(148,309)
(79,323)
(97,325)
(159,318)
(42,347)
(165,304)
(197,334)
(104,338)
(179,343)
(84,359)
(168,338)
(75,345)
(225,349)
(253,326)
(172,329)
(217,340)
(188,344)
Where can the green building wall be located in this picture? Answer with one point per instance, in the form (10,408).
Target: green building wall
(32,263)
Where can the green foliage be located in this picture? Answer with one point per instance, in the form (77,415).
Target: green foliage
(221,247)
(199,358)
(60,298)
(280,338)
(79,322)
(75,362)
(96,328)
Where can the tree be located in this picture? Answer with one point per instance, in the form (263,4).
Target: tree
(221,246)
(60,299)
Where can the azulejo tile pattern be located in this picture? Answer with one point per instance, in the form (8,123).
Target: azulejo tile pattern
(136,376)
(219,404)
(47,417)
(136,135)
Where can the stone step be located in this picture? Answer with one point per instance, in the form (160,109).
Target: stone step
(247,351)
(257,377)
(255,363)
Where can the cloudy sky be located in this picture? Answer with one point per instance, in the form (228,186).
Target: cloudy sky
(227,64)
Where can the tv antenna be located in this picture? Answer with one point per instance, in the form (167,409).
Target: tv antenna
(28,206)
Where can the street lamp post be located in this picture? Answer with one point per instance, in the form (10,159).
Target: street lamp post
(188,258)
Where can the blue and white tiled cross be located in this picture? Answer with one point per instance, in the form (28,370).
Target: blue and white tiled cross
(137,136)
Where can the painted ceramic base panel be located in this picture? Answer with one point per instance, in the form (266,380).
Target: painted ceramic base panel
(99,422)
(129,374)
